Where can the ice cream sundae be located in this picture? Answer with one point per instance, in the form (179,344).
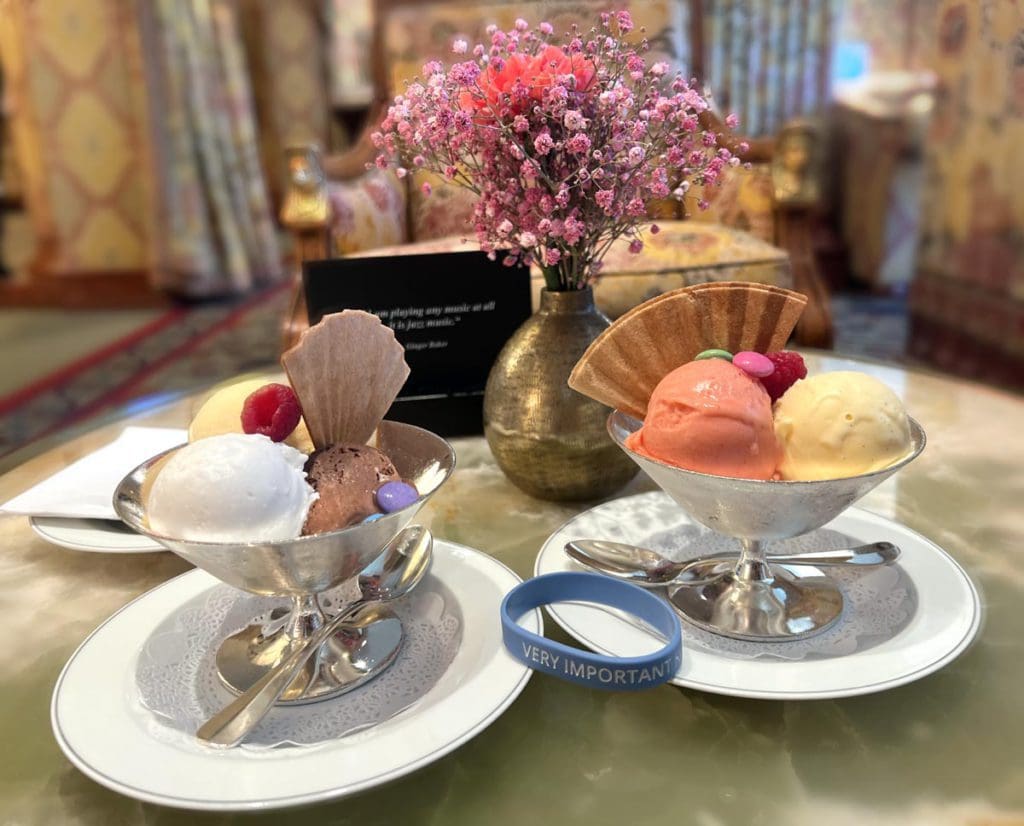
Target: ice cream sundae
(245,475)
(704,369)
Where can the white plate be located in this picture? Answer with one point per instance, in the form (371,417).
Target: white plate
(102,728)
(947,618)
(93,535)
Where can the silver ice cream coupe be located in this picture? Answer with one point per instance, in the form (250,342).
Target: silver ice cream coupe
(303,569)
(758,600)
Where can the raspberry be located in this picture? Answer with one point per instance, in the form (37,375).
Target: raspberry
(789,368)
(273,410)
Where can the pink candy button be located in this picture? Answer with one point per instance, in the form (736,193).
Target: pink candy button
(754,363)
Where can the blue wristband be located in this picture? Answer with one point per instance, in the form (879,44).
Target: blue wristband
(586,667)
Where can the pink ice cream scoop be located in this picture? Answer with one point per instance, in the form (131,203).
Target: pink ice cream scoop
(711,417)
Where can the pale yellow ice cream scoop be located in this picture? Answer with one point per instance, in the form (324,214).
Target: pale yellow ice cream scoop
(222,413)
(839,424)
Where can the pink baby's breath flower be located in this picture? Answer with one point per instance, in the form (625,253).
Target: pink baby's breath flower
(578,144)
(543,143)
(732,121)
(636,246)
(564,146)
(655,229)
(521,25)
(572,230)
(426,188)
(574,120)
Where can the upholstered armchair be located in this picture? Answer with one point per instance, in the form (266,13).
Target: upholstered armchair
(757,228)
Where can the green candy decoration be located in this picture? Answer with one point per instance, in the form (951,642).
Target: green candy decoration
(714,354)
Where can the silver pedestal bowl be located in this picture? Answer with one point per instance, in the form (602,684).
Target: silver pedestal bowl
(757,600)
(302,569)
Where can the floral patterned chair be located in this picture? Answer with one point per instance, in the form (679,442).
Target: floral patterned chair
(756,228)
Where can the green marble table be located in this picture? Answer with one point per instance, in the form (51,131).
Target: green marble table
(947,749)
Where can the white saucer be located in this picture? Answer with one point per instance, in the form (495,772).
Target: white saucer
(947,619)
(93,535)
(103,729)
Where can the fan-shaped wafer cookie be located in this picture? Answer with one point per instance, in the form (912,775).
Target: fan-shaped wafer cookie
(624,364)
(346,371)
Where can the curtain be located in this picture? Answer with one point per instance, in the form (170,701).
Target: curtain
(215,232)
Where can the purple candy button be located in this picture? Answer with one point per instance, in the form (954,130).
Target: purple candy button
(754,363)
(393,496)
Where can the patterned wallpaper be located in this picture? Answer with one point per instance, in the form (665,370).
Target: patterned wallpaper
(351,29)
(968,297)
(81,109)
(974,205)
(287,57)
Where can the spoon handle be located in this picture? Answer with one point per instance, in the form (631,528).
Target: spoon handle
(231,724)
(877,553)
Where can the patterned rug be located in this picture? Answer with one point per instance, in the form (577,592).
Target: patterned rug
(190,348)
(184,349)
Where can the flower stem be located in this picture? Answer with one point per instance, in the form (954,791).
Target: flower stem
(551,278)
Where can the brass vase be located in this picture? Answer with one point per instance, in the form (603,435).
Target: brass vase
(548,439)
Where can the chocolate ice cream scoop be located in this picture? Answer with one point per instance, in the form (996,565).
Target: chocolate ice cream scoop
(346,477)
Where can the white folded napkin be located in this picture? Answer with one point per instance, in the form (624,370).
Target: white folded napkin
(85,489)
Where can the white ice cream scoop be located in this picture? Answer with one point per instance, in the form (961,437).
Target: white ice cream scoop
(231,488)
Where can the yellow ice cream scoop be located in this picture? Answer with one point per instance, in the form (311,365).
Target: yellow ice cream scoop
(839,424)
(222,413)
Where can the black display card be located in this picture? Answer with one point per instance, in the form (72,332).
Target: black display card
(452,312)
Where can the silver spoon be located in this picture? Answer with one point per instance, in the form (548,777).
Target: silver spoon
(649,569)
(396,572)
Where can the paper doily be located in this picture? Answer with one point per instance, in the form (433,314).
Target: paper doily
(877,602)
(177,679)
